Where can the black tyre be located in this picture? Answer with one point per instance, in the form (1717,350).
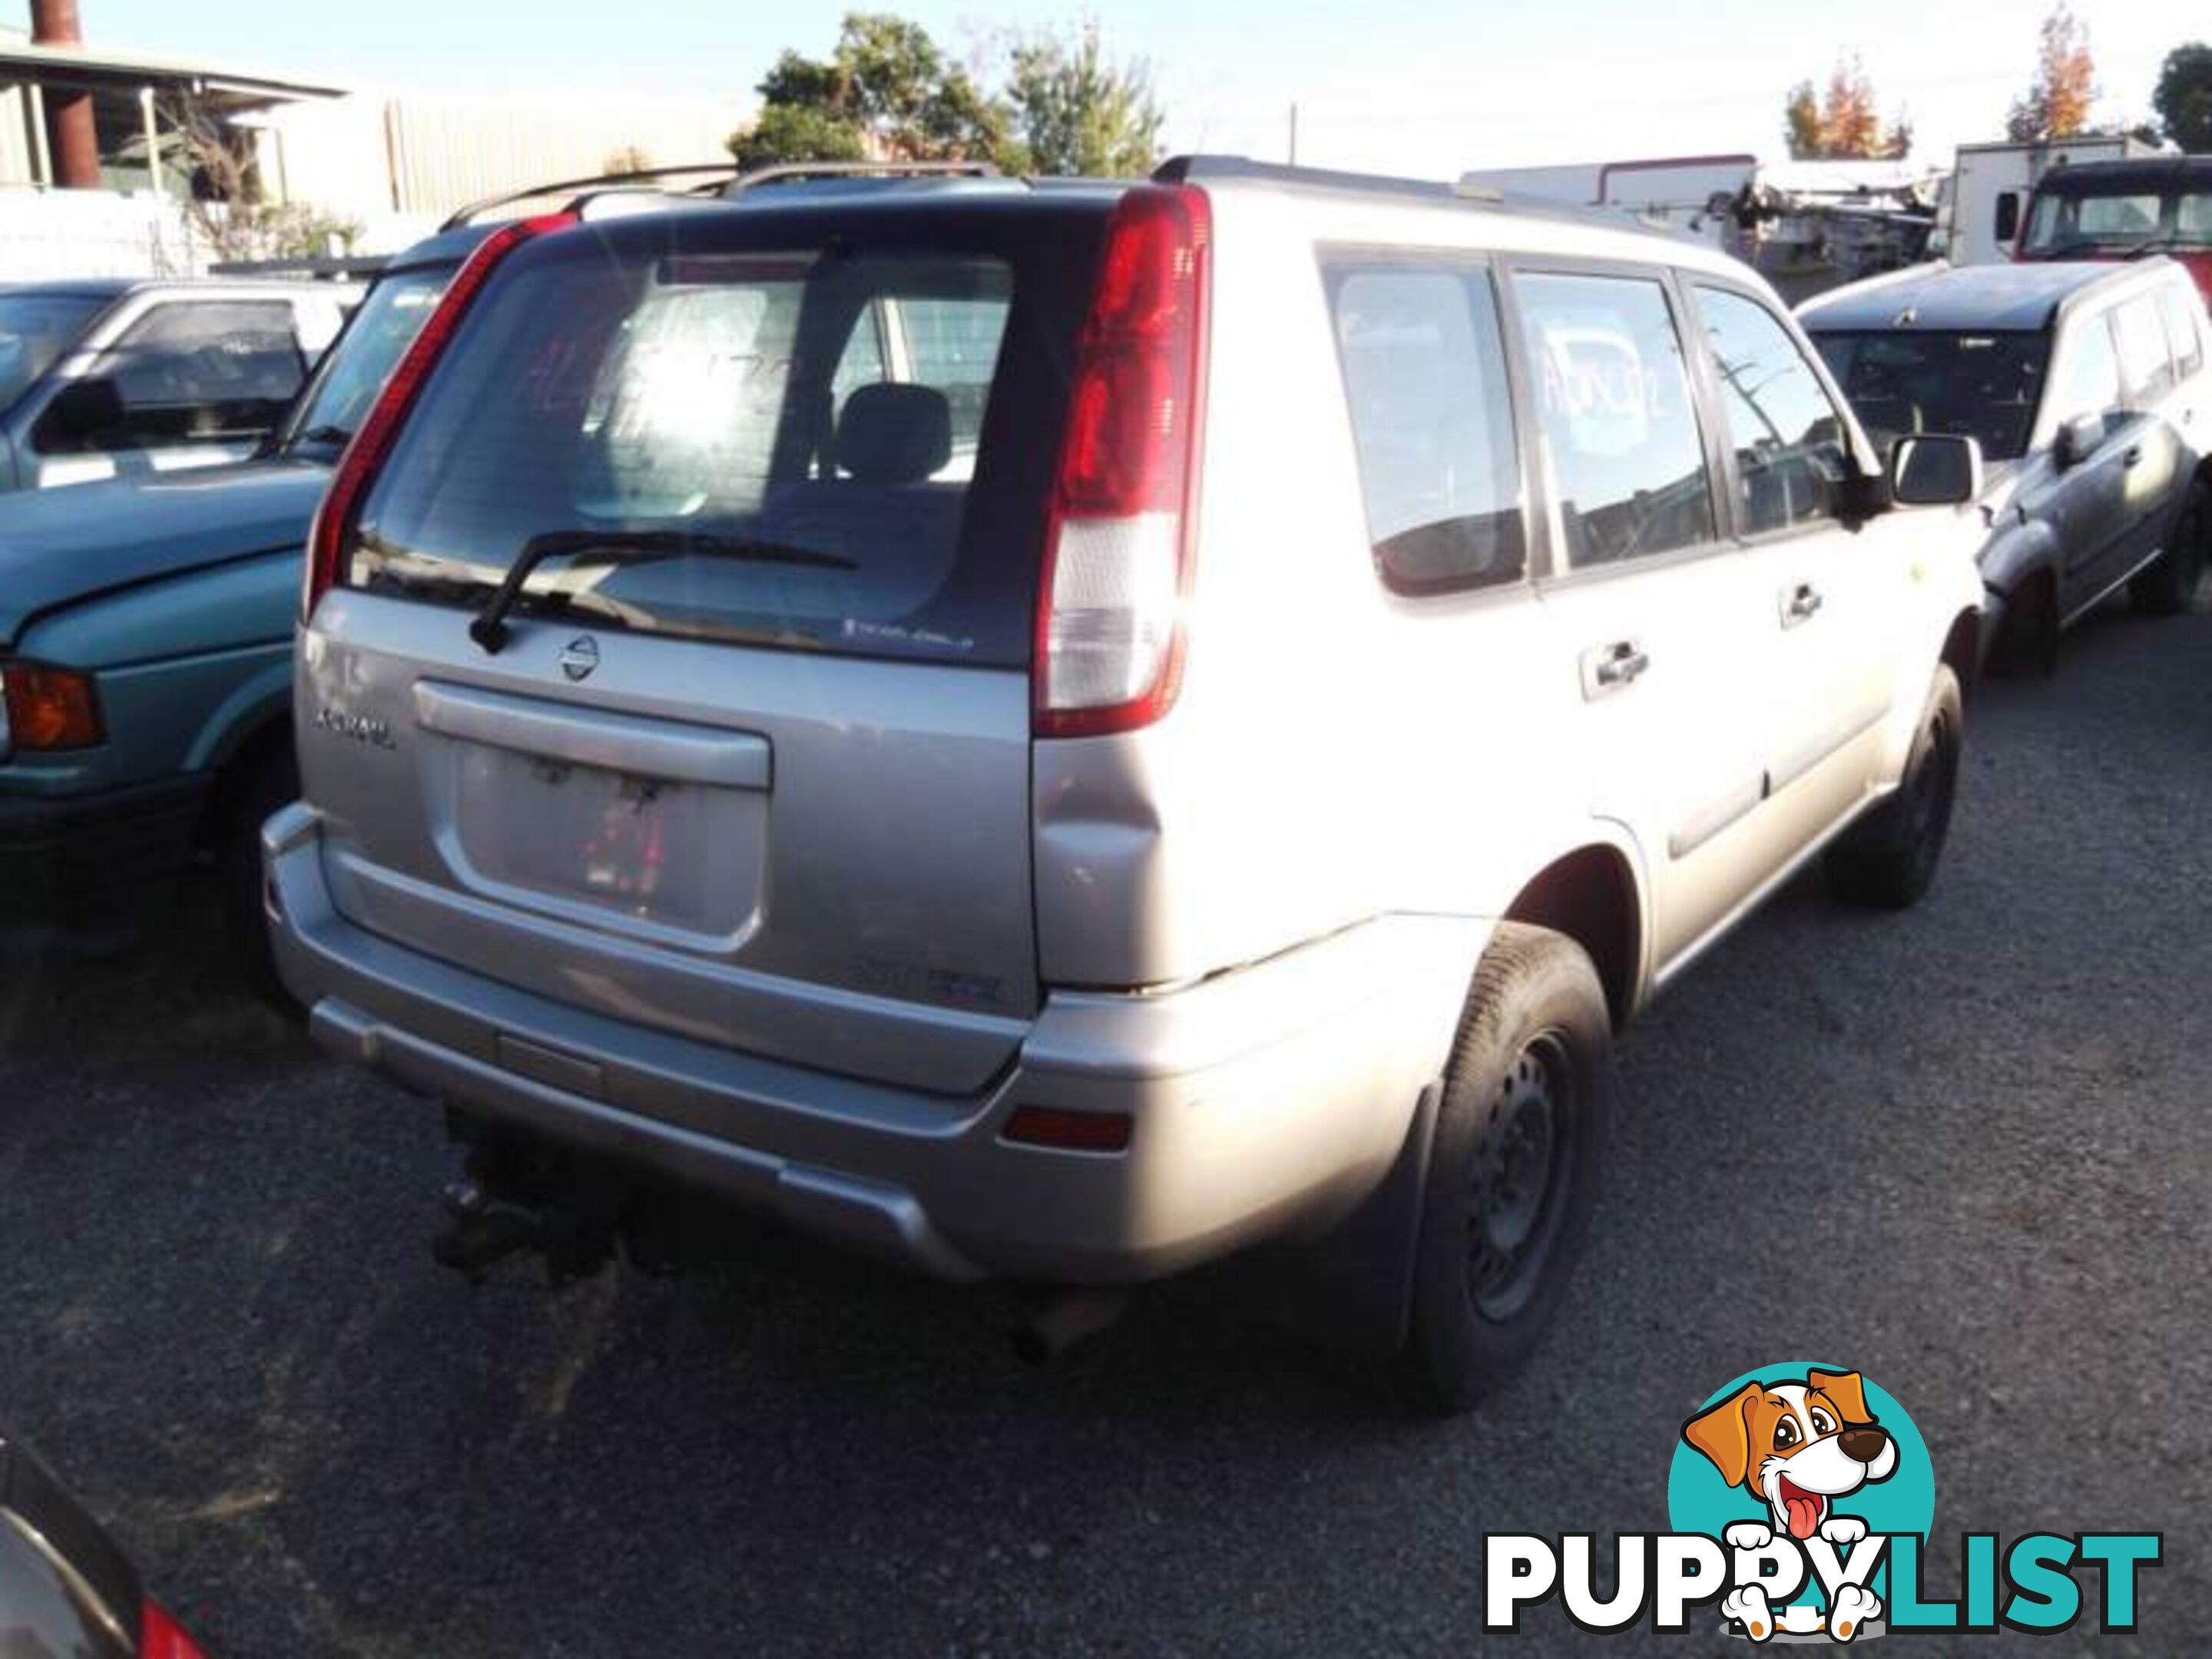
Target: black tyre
(1513,1173)
(2029,643)
(1889,860)
(2168,587)
(266,778)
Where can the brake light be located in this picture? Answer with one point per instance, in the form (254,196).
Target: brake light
(365,453)
(160,1637)
(1110,626)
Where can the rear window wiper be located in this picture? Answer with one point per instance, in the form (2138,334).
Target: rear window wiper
(490,629)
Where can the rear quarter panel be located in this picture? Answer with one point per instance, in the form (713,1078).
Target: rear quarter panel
(1337,752)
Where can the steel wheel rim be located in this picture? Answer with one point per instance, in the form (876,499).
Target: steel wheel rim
(1519,1187)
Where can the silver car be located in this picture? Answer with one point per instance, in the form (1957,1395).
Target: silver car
(1061,732)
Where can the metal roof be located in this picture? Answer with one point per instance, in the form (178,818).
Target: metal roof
(84,66)
(1992,297)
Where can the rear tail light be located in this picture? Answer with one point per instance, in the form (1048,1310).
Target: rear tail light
(161,1638)
(1110,626)
(357,469)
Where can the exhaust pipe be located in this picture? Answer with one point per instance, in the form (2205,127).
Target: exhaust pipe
(1058,1324)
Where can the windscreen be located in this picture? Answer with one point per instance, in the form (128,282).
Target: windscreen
(780,446)
(343,391)
(2077,223)
(35,329)
(1974,386)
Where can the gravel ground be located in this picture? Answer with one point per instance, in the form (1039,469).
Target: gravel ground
(1965,1149)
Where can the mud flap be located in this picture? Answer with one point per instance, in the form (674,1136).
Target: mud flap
(1352,1288)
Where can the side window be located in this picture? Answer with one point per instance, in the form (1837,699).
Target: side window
(1424,367)
(2176,306)
(1784,431)
(2008,217)
(197,371)
(1619,427)
(2146,370)
(2088,380)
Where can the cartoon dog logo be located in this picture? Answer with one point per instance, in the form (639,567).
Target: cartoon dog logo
(1800,1446)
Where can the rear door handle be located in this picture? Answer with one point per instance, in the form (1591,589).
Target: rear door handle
(2133,455)
(1614,667)
(1800,604)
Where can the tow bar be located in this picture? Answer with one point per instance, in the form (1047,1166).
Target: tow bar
(483,1230)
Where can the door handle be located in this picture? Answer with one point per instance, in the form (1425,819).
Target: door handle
(1800,604)
(1614,667)
(2134,454)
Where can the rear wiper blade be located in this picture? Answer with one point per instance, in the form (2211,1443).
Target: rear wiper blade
(490,629)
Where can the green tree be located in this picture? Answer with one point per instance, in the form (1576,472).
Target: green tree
(1801,123)
(885,92)
(2184,98)
(1079,112)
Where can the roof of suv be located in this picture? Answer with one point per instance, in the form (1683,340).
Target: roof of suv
(1995,297)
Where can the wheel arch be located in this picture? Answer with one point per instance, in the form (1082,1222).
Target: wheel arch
(1594,896)
(248,748)
(1962,645)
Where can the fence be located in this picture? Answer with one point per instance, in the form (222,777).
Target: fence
(93,232)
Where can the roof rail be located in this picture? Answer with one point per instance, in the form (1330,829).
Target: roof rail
(779,172)
(1461,193)
(733,181)
(642,176)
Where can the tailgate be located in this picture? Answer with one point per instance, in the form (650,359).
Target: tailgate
(818,860)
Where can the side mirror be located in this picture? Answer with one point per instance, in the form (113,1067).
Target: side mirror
(2076,440)
(1935,470)
(84,409)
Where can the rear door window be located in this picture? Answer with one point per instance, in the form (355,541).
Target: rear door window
(2088,377)
(1424,378)
(780,446)
(2177,309)
(1619,427)
(199,371)
(1783,428)
(2146,368)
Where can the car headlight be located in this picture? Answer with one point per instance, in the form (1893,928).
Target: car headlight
(44,707)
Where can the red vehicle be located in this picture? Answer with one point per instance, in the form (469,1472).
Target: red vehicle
(2124,210)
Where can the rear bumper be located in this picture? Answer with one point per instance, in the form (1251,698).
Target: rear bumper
(1264,1102)
(62,856)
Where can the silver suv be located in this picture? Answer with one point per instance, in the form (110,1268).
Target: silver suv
(1062,733)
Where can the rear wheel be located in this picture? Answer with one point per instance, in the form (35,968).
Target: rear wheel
(2168,587)
(265,779)
(1513,1173)
(1889,860)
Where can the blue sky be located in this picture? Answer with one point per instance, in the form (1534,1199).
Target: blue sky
(1426,89)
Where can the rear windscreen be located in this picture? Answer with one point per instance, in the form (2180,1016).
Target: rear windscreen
(1904,381)
(813,447)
